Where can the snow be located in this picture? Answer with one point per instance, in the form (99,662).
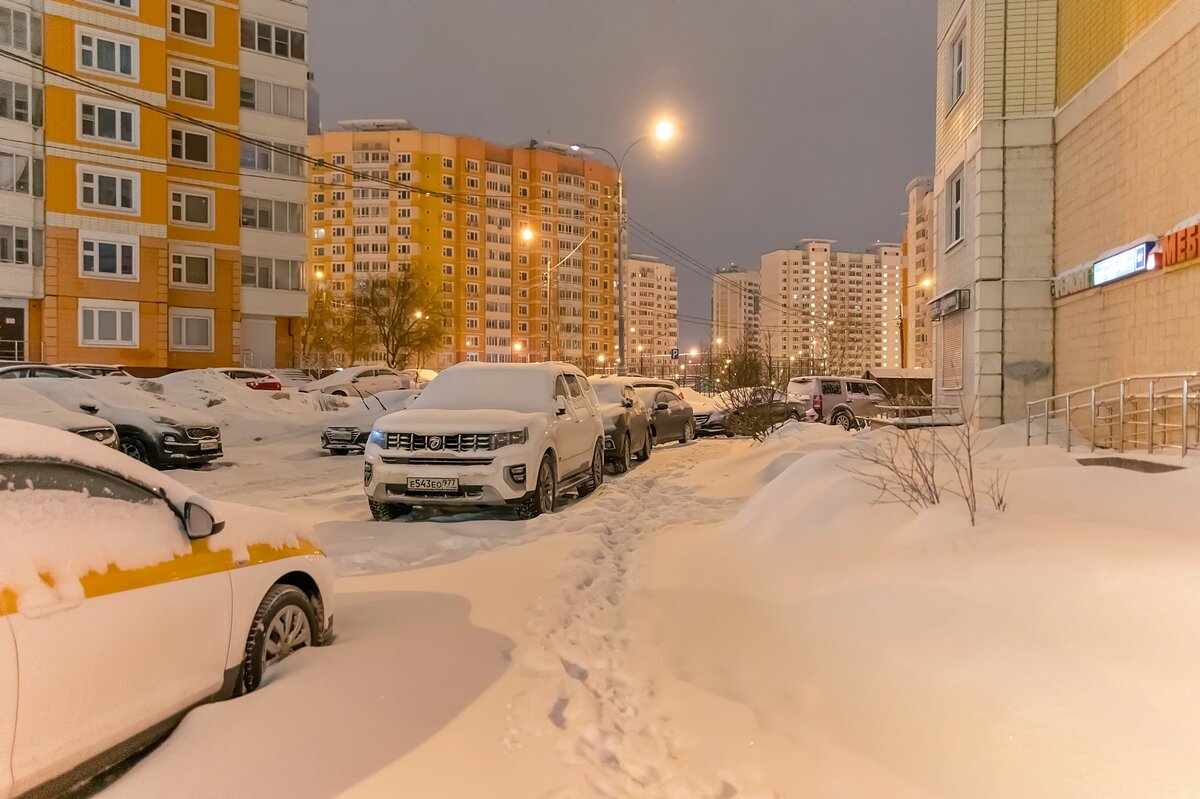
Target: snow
(417,419)
(46,568)
(525,388)
(119,403)
(19,402)
(729,619)
(337,378)
(699,402)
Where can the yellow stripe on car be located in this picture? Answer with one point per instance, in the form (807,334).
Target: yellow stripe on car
(199,562)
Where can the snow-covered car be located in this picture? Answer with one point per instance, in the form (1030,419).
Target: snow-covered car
(149,429)
(19,371)
(360,381)
(420,377)
(126,600)
(257,379)
(844,401)
(96,369)
(627,429)
(347,437)
(672,419)
(488,435)
(21,404)
(766,401)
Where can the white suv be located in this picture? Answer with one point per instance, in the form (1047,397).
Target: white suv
(488,434)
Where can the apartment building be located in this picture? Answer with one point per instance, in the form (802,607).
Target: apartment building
(651,311)
(521,240)
(993,190)
(919,286)
(126,245)
(833,310)
(736,307)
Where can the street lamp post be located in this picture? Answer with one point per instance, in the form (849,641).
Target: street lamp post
(926,283)
(664,132)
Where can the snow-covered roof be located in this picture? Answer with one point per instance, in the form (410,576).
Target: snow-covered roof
(20,403)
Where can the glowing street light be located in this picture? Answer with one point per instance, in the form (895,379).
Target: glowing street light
(320,274)
(418,315)
(720,341)
(527,234)
(517,346)
(693,352)
(927,282)
(600,358)
(664,131)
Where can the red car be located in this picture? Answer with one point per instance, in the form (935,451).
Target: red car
(257,379)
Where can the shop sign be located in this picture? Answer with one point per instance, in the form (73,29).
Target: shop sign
(1181,246)
(953,302)
(1123,264)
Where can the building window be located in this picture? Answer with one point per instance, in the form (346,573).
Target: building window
(191,82)
(192,268)
(950,361)
(282,159)
(20,103)
(20,245)
(20,30)
(265,37)
(108,190)
(99,51)
(271,273)
(191,146)
(276,215)
(108,256)
(192,329)
(128,5)
(108,323)
(273,98)
(958,68)
(954,209)
(192,207)
(192,22)
(21,174)
(110,122)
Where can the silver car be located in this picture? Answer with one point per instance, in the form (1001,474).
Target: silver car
(844,401)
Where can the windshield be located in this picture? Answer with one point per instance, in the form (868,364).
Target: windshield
(608,392)
(524,390)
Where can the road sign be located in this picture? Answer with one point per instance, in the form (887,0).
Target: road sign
(674,353)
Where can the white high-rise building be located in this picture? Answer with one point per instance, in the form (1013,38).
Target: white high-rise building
(651,310)
(837,312)
(735,308)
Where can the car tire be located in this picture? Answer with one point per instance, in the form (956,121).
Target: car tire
(624,458)
(597,478)
(795,417)
(844,420)
(644,455)
(544,495)
(338,393)
(136,449)
(387,511)
(689,432)
(285,621)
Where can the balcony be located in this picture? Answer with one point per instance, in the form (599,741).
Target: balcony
(273,302)
(18,280)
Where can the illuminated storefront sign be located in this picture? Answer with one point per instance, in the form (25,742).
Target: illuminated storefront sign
(1123,264)
(1181,246)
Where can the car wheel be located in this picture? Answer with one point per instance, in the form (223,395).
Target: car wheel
(597,477)
(795,417)
(135,449)
(338,393)
(624,457)
(285,622)
(644,455)
(844,420)
(689,432)
(386,511)
(545,492)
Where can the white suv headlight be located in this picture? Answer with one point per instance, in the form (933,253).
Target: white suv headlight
(504,439)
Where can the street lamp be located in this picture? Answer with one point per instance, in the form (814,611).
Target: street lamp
(418,315)
(664,131)
(923,283)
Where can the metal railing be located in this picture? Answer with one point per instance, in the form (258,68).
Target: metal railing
(12,350)
(1144,412)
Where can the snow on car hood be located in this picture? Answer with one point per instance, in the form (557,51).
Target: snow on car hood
(18,402)
(247,526)
(436,420)
(117,402)
(610,411)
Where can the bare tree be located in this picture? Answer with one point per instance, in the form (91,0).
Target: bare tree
(406,316)
(331,332)
(843,339)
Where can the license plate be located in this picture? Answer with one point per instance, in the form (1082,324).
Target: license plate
(209,446)
(341,437)
(433,484)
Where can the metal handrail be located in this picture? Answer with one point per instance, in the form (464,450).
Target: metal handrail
(1160,411)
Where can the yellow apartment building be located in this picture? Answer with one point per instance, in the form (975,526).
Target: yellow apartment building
(521,239)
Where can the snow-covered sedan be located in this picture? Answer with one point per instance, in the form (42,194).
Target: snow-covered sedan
(360,381)
(627,429)
(126,600)
(488,435)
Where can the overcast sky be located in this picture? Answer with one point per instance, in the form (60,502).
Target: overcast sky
(797,118)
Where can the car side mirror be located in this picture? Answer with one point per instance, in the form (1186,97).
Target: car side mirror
(88,407)
(662,406)
(562,405)
(199,522)
(354,380)
(627,402)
